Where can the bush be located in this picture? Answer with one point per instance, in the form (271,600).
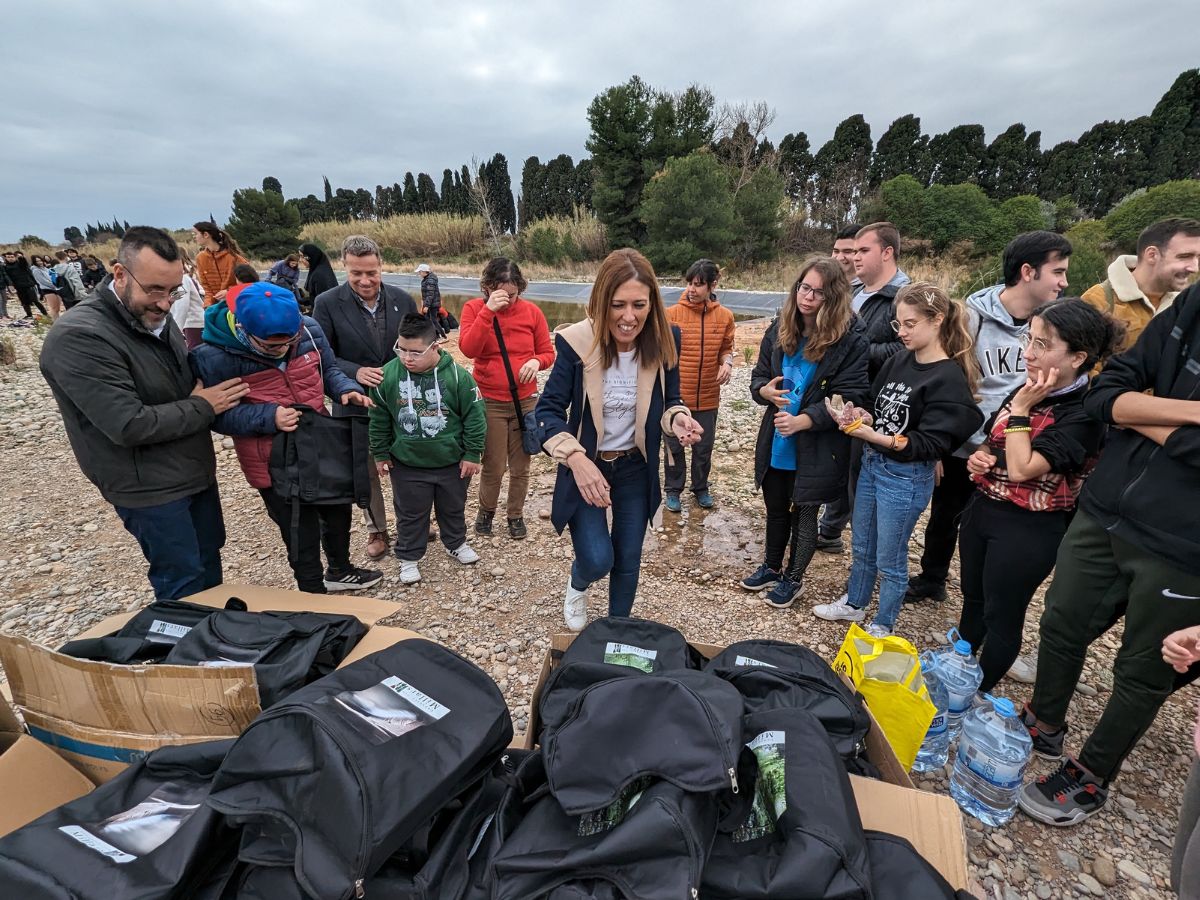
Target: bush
(264,224)
(1017,215)
(32,240)
(1171,199)
(758,213)
(559,239)
(902,202)
(959,212)
(688,211)
(1090,256)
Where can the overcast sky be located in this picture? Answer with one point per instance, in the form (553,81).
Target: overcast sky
(155,112)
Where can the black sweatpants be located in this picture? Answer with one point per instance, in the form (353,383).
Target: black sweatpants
(321,526)
(30,297)
(674,465)
(1005,553)
(1100,579)
(434,315)
(950,497)
(789,526)
(840,511)
(417,491)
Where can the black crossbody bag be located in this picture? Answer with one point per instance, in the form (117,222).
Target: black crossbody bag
(531,432)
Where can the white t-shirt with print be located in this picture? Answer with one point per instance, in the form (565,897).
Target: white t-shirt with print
(620,402)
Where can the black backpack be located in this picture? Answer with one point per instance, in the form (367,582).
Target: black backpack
(803,838)
(769,654)
(64,289)
(568,680)
(899,872)
(636,643)
(287,650)
(335,779)
(145,835)
(149,636)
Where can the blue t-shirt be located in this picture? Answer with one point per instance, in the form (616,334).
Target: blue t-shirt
(800,371)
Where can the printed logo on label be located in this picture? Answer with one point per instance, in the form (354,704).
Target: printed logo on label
(628,655)
(749,661)
(161,632)
(422,701)
(938,725)
(1001,774)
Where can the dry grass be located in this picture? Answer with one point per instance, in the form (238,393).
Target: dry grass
(423,238)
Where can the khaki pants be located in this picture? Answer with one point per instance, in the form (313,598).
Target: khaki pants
(503,450)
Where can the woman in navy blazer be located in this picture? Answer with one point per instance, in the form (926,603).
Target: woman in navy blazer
(612,392)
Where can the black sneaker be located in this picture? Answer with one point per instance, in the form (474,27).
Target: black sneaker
(922,588)
(833,544)
(354,580)
(763,578)
(483,521)
(784,594)
(1066,797)
(1048,745)
(517,530)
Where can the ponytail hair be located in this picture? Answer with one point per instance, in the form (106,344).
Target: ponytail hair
(223,238)
(1083,328)
(954,334)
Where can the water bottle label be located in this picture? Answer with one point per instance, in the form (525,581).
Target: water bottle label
(937,726)
(960,703)
(1001,774)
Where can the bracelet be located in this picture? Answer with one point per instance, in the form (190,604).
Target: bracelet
(1019,420)
(1017,428)
(899,442)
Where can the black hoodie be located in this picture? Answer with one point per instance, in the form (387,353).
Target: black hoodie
(320,273)
(1140,492)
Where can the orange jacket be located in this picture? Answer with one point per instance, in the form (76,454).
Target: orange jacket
(707,331)
(215,272)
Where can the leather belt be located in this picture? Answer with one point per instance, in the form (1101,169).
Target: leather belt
(609,456)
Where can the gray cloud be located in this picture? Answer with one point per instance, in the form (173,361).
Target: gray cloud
(157,112)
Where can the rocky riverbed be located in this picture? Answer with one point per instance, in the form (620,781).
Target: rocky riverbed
(66,562)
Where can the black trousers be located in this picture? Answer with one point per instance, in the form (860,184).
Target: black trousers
(941,532)
(789,526)
(434,315)
(838,512)
(30,298)
(415,492)
(701,456)
(321,526)
(1005,553)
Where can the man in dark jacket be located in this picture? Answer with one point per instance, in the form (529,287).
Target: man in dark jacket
(1133,553)
(20,276)
(137,419)
(431,299)
(876,247)
(361,319)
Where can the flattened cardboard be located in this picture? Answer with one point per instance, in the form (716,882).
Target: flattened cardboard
(932,823)
(100,717)
(33,778)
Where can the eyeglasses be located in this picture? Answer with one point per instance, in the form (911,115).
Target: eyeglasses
(897,325)
(412,354)
(273,346)
(172,294)
(1029,342)
(809,291)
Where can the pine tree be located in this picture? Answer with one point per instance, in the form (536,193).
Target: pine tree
(264,224)
(90,231)
(902,150)
(1175,134)
(796,167)
(449,199)
(328,189)
(72,235)
(957,156)
(840,169)
(688,209)
(533,191)
(427,193)
(620,132)
(270,183)
(412,199)
(581,190)
(1010,164)
(560,186)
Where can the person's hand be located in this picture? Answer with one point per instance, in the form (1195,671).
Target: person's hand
(529,371)
(467,469)
(787,424)
(1182,648)
(220,295)
(724,373)
(286,418)
(369,376)
(939,472)
(1033,392)
(499,300)
(686,429)
(354,398)
(772,393)
(383,466)
(222,396)
(592,486)
(980,462)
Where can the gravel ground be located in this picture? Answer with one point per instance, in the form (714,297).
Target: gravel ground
(66,562)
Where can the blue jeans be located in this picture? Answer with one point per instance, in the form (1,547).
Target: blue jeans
(617,554)
(888,499)
(182,541)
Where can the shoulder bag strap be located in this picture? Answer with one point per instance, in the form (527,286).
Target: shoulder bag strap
(512,382)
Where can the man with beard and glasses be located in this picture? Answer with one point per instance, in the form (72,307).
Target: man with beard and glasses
(138,419)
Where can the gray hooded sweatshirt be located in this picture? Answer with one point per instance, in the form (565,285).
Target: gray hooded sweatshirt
(1000,354)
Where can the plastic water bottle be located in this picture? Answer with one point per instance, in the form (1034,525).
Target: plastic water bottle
(993,753)
(936,746)
(960,672)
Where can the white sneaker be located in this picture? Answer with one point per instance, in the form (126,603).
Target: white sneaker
(1023,671)
(465,555)
(839,611)
(879,631)
(575,608)
(409,573)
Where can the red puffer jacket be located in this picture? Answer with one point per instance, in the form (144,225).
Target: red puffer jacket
(300,382)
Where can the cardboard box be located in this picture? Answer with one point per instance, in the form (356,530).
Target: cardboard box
(101,717)
(33,778)
(932,823)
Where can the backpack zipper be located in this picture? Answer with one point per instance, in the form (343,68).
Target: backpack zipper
(692,845)
(820,686)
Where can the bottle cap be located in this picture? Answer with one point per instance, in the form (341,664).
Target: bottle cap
(1004,707)
(962,648)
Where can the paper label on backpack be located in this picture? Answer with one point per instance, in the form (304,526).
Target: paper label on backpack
(628,655)
(1002,774)
(144,828)
(770,788)
(602,820)
(233,655)
(161,632)
(750,661)
(386,710)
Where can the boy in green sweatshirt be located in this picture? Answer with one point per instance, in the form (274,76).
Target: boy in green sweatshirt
(427,433)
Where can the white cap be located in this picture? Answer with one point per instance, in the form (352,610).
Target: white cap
(424,267)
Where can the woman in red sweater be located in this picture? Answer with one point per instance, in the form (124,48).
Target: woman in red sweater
(505,383)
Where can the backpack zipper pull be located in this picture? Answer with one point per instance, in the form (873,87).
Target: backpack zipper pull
(695,894)
(733,779)
(359,890)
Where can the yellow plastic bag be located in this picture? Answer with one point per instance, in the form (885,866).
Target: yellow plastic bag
(887,672)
